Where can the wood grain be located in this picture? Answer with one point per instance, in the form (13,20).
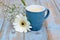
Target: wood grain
(7,29)
(37,35)
(53,33)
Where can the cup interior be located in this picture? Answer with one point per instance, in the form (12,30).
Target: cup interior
(35,8)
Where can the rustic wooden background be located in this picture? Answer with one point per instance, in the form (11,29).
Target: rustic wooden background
(49,31)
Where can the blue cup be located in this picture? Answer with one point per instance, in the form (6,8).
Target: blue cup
(36,15)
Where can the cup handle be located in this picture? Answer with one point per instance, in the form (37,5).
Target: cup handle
(48,12)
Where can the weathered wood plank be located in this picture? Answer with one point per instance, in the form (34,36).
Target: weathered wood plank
(7,33)
(55,7)
(30,2)
(1,18)
(53,19)
(1,21)
(53,30)
(57,14)
(45,3)
(53,16)
(37,35)
(57,3)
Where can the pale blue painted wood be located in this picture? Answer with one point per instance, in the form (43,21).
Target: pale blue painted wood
(54,29)
(1,22)
(57,2)
(37,35)
(8,33)
(30,2)
(1,18)
(52,26)
(5,36)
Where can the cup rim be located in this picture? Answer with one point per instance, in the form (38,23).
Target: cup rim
(27,8)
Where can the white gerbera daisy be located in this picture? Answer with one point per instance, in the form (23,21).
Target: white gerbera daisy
(21,24)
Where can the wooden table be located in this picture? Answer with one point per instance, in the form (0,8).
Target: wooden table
(49,31)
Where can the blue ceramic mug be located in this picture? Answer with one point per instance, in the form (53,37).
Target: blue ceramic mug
(36,15)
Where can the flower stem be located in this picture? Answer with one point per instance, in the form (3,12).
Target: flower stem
(23,2)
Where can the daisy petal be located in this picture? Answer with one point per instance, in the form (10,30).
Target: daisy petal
(28,23)
(25,30)
(30,26)
(17,26)
(14,23)
(19,29)
(16,20)
(28,29)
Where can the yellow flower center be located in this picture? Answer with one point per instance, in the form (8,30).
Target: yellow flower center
(23,23)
